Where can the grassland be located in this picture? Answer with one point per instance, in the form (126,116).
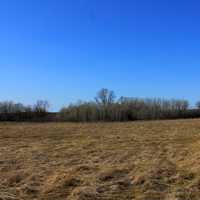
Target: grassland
(110,161)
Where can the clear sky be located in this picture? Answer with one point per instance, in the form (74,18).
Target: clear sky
(65,50)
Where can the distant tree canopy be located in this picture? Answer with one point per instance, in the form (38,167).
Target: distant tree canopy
(104,107)
(11,107)
(10,111)
(41,106)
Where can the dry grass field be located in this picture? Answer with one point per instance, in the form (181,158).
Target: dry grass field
(110,161)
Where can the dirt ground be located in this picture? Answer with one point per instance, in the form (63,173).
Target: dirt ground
(158,160)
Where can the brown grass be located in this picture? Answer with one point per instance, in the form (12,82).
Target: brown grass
(110,161)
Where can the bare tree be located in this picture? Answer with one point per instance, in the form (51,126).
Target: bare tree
(105,97)
(41,106)
(198,104)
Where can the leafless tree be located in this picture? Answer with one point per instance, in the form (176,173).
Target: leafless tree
(41,106)
(198,105)
(105,97)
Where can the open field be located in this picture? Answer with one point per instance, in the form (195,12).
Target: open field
(110,161)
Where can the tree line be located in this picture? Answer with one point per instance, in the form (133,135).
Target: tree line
(105,107)
(10,111)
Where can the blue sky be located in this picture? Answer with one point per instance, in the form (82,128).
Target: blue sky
(65,50)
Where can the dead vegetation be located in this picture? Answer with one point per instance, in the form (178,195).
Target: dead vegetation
(110,161)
